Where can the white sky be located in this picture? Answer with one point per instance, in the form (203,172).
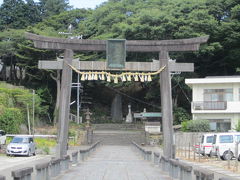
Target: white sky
(81,3)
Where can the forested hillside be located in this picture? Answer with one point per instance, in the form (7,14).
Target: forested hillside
(120,19)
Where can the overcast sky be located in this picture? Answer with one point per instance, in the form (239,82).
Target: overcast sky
(82,3)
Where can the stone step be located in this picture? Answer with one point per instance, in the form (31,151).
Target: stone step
(123,138)
(123,126)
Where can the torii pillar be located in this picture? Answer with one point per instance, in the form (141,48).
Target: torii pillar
(163,47)
(166,105)
(64,110)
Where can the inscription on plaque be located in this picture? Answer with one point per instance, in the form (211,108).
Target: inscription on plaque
(116,53)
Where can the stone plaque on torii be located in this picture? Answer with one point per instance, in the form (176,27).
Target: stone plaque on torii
(161,46)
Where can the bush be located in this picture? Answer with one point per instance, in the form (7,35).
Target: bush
(184,126)
(10,119)
(196,126)
(238,126)
(13,107)
(180,115)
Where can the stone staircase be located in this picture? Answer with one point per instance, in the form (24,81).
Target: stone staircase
(123,126)
(120,138)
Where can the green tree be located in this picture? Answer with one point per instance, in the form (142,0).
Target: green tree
(53,7)
(18,14)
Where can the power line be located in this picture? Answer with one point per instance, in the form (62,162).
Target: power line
(143,102)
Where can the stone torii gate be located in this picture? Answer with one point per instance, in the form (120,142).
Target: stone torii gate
(163,47)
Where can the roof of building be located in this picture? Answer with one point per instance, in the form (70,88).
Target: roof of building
(213,80)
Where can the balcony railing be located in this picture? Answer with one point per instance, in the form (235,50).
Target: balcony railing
(210,105)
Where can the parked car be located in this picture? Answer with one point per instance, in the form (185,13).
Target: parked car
(223,142)
(21,145)
(206,144)
(2,137)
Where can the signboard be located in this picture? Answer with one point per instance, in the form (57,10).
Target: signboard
(147,115)
(116,53)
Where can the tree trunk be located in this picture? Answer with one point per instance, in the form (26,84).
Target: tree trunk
(15,72)
(56,109)
(116,109)
(3,72)
(20,75)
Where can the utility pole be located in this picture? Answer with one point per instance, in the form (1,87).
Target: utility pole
(78,86)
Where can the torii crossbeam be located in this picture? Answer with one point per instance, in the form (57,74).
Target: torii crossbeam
(161,46)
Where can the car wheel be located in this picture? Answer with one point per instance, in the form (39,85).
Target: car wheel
(239,158)
(225,155)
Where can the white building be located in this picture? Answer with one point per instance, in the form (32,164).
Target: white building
(216,99)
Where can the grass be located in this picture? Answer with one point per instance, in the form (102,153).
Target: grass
(45,144)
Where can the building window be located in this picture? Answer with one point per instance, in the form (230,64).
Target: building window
(218,95)
(226,139)
(220,125)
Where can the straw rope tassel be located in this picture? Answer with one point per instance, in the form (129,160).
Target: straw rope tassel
(83,77)
(108,78)
(149,78)
(125,76)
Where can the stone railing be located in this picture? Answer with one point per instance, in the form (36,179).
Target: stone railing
(22,174)
(147,155)
(156,158)
(42,171)
(65,163)
(75,157)
(179,169)
(203,174)
(86,152)
(52,168)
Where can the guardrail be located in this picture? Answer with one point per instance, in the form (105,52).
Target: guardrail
(54,167)
(147,155)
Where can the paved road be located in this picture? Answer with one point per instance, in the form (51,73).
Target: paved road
(114,163)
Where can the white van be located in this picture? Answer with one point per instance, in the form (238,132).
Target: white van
(2,137)
(206,144)
(222,142)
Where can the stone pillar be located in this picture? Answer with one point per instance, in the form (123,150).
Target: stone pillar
(88,127)
(116,108)
(166,105)
(129,118)
(64,106)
